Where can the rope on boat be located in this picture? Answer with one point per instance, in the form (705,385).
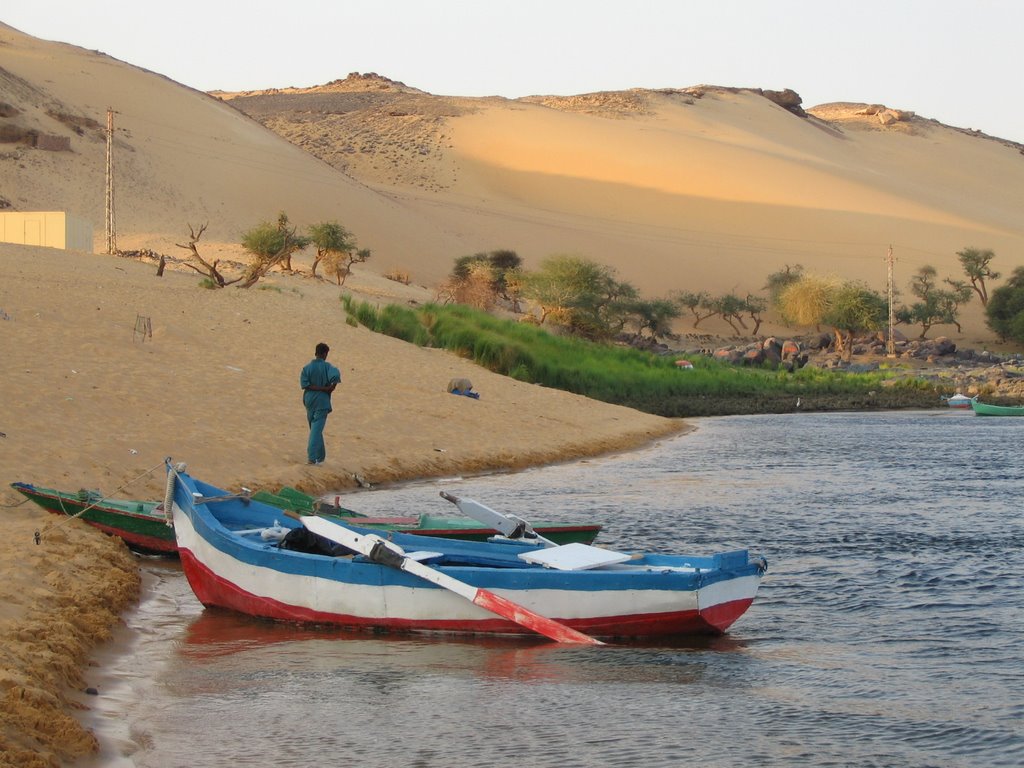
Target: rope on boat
(169,495)
(68,516)
(225,497)
(172,476)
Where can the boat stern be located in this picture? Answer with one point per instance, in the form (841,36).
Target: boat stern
(731,591)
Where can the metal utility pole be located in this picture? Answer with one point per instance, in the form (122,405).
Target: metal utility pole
(890,342)
(109,203)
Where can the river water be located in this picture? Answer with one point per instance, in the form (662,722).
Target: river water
(889,629)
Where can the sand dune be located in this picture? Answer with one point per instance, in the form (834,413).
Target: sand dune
(704,188)
(694,189)
(180,157)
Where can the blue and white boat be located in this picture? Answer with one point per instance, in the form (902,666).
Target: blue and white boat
(235,553)
(960,401)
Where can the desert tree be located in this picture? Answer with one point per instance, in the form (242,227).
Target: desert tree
(959,293)
(616,305)
(934,306)
(1004,313)
(848,308)
(926,313)
(331,240)
(730,308)
(294,241)
(503,262)
(777,282)
(468,283)
(270,244)
(654,317)
(854,308)
(975,262)
(580,295)
(204,267)
(695,302)
(498,265)
(805,301)
(557,285)
(604,307)
(474,287)
(339,263)
(754,307)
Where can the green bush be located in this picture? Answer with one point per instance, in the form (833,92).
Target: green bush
(623,375)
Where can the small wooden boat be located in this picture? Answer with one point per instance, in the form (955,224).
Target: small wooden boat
(959,401)
(245,556)
(985,409)
(141,524)
(145,528)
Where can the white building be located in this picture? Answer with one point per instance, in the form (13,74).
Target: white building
(54,229)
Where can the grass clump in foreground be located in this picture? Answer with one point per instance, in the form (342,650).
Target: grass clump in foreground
(634,378)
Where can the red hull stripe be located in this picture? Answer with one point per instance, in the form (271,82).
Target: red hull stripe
(142,541)
(212,590)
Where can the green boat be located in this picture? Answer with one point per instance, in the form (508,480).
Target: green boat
(985,409)
(145,529)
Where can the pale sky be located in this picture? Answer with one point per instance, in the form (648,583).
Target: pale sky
(957,61)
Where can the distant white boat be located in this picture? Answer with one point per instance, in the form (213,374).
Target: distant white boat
(959,401)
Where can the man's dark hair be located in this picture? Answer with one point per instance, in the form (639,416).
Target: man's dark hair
(322,350)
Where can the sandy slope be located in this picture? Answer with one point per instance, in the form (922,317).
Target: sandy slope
(180,157)
(721,192)
(697,189)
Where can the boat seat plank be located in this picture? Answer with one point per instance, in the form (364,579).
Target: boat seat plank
(574,557)
(388,521)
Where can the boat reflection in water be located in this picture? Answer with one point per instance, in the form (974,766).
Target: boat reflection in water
(220,637)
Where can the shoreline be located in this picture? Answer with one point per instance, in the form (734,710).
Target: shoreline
(90,404)
(45,683)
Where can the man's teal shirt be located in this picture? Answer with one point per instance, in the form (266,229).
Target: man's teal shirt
(318,373)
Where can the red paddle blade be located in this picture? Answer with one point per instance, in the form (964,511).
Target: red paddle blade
(527,618)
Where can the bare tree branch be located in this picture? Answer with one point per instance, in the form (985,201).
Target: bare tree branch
(208,269)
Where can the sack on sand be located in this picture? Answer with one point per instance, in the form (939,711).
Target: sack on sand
(460,386)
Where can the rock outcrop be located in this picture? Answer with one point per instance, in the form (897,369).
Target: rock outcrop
(938,360)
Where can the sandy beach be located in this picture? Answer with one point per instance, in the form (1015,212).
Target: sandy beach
(89,402)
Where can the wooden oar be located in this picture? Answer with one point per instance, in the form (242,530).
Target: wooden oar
(507,525)
(387,553)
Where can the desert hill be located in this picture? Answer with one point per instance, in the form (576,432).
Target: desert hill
(698,188)
(180,157)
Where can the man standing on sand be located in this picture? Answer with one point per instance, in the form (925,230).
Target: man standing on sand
(318,380)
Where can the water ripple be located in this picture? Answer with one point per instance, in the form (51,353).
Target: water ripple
(889,630)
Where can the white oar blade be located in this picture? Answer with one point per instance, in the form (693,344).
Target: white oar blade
(339,534)
(504,524)
(510,526)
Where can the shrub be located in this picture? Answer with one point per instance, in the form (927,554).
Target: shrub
(398,276)
(614,374)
